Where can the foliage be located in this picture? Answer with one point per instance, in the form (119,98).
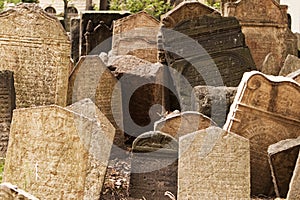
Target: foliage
(154,7)
(1,169)
(2,2)
(213,3)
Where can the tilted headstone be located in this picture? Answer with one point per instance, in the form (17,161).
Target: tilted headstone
(294,192)
(265,110)
(263,23)
(179,124)
(295,75)
(36,48)
(213,164)
(7,104)
(185,10)
(94,18)
(136,35)
(282,159)
(153,166)
(208,50)
(74,31)
(291,64)
(92,79)
(12,192)
(269,66)
(213,102)
(57,153)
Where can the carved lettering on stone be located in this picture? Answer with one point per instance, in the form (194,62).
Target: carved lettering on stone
(266,110)
(36,48)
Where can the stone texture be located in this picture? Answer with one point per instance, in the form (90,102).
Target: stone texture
(265,110)
(294,192)
(154,166)
(269,66)
(57,153)
(213,164)
(183,11)
(94,18)
(282,158)
(291,64)
(136,35)
(12,192)
(208,50)
(295,75)
(92,79)
(36,48)
(7,104)
(123,63)
(179,124)
(265,25)
(213,102)
(74,31)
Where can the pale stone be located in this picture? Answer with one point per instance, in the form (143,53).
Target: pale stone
(295,75)
(56,153)
(213,164)
(291,64)
(270,66)
(36,48)
(266,110)
(12,192)
(180,124)
(294,193)
(136,35)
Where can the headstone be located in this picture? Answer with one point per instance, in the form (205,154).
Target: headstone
(179,124)
(12,192)
(213,164)
(282,158)
(295,75)
(136,35)
(36,48)
(213,102)
(185,10)
(208,50)
(265,25)
(7,104)
(291,64)
(126,62)
(95,17)
(57,153)
(269,66)
(92,79)
(265,110)
(153,166)
(294,193)
(74,31)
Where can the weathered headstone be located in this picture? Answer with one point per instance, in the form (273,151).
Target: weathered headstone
(126,62)
(265,25)
(153,166)
(291,64)
(213,164)
(12,192)
(282,158)
(136,35)
(57,153)
(179,124)
(183,11)
(265,110)
(94,18)
(7,104)
(295,75)
(74,31)
(270,66)
(213,102)
(92,79)
(36,48)
(208,50)
(294,192)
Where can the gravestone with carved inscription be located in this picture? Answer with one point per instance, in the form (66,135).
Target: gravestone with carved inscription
(265,25)
(154,166)
(92,79)
(282,159)
(213,164)
(36,48)
(7,104)
(179,124)
(136,35)
(57,153)
(266,110)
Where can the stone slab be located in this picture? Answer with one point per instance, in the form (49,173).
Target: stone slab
(12,192)
(291,64)
(294,193)
(74,31)
(213,164)
(57,153)
(265,110)
(36,48)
